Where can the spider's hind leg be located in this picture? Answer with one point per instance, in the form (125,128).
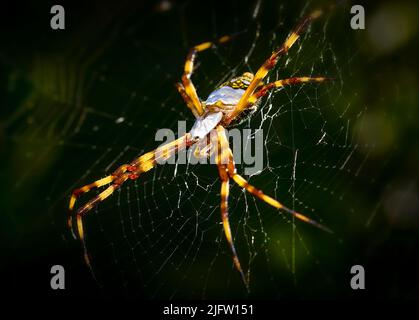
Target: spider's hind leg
(131,171)
(90,204)
(222,159)
(96,184)
(231,169)
(275,203)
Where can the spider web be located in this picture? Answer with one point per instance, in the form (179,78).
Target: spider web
(160,236)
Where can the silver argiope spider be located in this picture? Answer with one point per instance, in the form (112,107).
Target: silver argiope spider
(222,106)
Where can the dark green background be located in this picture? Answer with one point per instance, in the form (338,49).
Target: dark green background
(108,51)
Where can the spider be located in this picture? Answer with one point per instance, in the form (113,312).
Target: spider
(222,107)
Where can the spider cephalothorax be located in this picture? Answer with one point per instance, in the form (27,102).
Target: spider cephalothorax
(223,106)
(241,82)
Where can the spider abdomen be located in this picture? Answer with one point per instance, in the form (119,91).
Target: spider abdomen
(203,125)
(226,96)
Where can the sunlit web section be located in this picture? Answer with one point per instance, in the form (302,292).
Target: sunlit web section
(160,236)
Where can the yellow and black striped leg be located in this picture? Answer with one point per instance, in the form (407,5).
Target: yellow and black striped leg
(78,192)
(96,184)
(270,63)
(141,164)
(273,202)
(187,99)
(225,185)
(188,70)
(225,189)
(93,202)
(278,84)
(131,171)
(232,172)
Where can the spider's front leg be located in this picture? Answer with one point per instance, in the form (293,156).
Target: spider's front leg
(271,62)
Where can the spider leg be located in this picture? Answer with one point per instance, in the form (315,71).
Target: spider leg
(187,99)
(275,203)
(189,88)
(225,186)
(270,63)
(96,184)
(93,202)
(278,84)
(205,151)
(131,171)
(232,172)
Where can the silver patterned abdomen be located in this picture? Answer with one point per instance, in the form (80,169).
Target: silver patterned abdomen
(203,125)
(226,95)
